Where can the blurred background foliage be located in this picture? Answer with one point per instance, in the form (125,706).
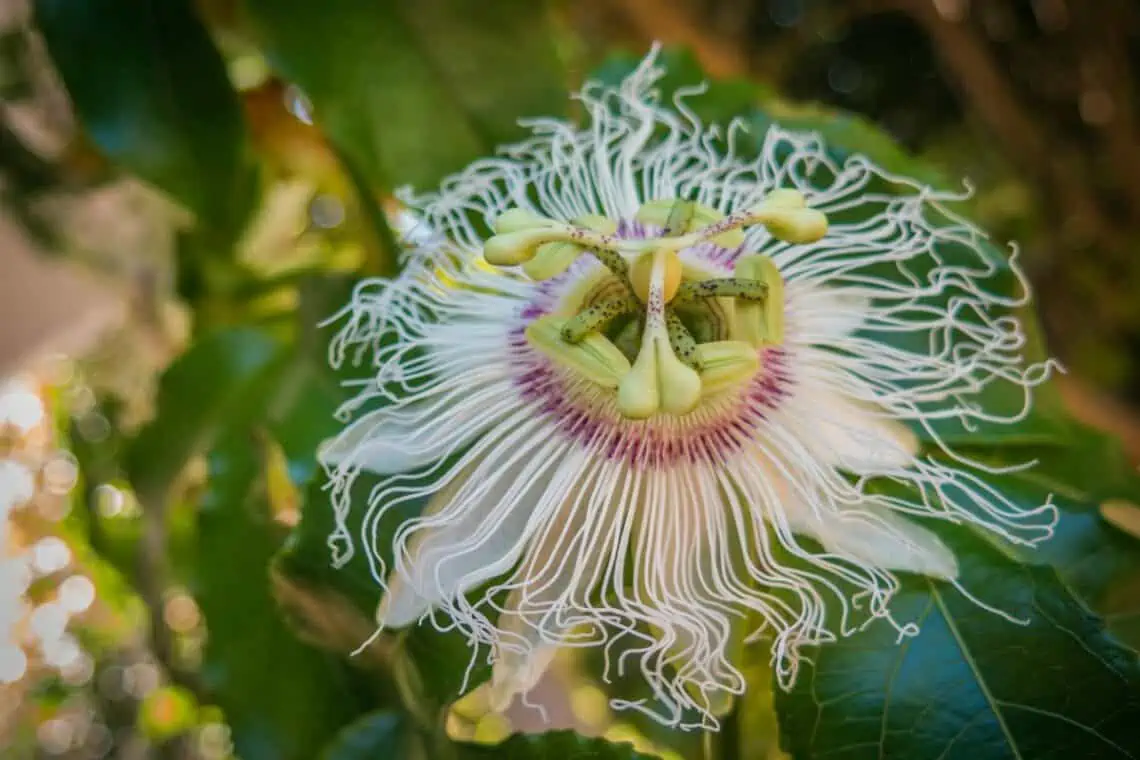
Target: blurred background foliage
(197,185)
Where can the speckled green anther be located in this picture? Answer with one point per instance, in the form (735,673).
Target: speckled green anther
(728,287)
(681,340)
(595,318)
(613,261)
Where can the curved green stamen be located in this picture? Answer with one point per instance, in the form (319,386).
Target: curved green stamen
(596,317)
(727,287)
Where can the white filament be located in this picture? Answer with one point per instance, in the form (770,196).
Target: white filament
(534,539)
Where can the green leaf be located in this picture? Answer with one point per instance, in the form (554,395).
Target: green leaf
(250,644)
(379,734)
(847,134)
(564,745)
(282,698)
(219,376)
(412,91)
(151,90)
(1097,562)
(226,396)
(972,684)
(432,667)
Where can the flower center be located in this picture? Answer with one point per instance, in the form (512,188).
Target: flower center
(657,332)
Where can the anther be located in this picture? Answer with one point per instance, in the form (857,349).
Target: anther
(551,260)
(596,317)
(681,340)
(760,322)
(728,287)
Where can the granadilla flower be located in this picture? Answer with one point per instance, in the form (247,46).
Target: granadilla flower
(647,387)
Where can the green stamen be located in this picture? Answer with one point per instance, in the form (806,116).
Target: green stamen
(595,318)
(728,287)
(680,217)
(682,340)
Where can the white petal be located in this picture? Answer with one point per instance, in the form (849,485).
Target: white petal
(825,315)
(377,443)
(560,569)
(393,440)
(875,535)
(847,433)
(517,673)
(477,527)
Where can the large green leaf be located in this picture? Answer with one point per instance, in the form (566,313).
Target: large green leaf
(228,395)
(283,699)
(250,644)
(972,684)
(1097,562)
(221,375)
(410,90)
(379,734)
(152,92)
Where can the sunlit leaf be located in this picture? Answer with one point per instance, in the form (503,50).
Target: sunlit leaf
(412,91)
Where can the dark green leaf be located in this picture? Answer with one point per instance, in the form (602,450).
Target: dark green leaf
(250,643)
(376,735)
(412,91)
(282,699)
(152,92)
(218,377)
(563,745)
(431,666)
(1099,563)
(847,134)
(971,684)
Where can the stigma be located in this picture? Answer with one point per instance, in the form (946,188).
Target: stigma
(656,332)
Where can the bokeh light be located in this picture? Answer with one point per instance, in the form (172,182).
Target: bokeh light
(50,555)
(19,405)
(76,594)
